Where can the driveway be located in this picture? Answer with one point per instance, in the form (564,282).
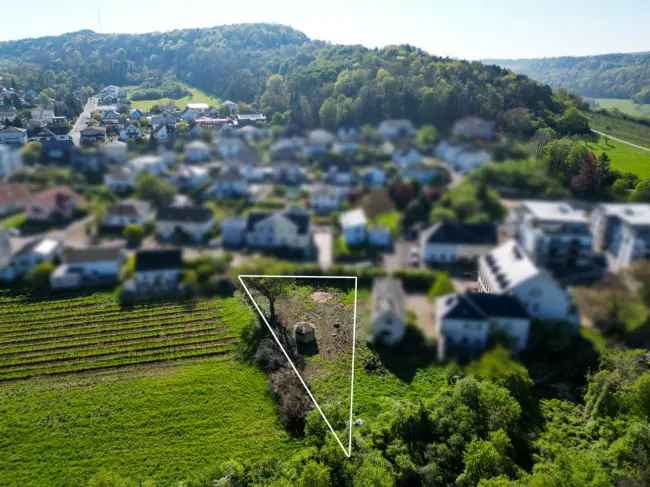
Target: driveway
(82,120)
(422,306)
(399,257)
(324,242)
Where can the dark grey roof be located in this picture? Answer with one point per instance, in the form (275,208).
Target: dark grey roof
(193,214)
(462,233)
(91,254)
(157,260)
(388,295)
(299,218)
(480,306)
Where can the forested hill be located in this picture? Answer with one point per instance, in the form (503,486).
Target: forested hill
(604,76)
(283,72)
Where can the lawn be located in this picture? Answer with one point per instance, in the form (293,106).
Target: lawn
(165,424)
(624,157)
(13,221)
(628,130)
(390,220)
(197,96)
(623,105)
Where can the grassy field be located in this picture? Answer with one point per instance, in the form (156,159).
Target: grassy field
(635,133)
(197,96)
(162,420)
(625,106)
(625,158)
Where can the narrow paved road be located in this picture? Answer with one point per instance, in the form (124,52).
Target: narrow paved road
(82,120)
(324,241)
(603,134)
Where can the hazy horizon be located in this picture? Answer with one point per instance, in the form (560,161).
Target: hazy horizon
(471,29)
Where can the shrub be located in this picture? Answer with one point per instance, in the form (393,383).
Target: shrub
(133,235)
(293,401)
(420,280)
(442,286)
(39,278)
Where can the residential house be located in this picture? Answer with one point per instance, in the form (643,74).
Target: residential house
(466,322)
(405,157)
(388,311)
(229,147)
(157,271)
(462,158)
(193,222)
(91,266)
(115,152)
(110,117)
(318,143)
(622,231)
(13,198)
(374,177)
(508,269)
(14,136)
(31,254)
(473,128)
(11,161)
(189,178)
(161,133)
(245,119)
(120,179)
(56,141)
(345,148)
(41,115)
(152,164)
(194,111)
(354,225)
(197,151)
(231,106)
(233,232)
(379,236)
(128,212)
(289,173)
(285,231)
(92,135)
(135,114)
(326,199)
(554,233)
(449,242)
(7,113)
(165,118)
(337,176)
(393,130)
(287,149)
(420,172)
(130,132)
(230,183)
(54,204)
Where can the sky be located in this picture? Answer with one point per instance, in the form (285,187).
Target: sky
(467,29)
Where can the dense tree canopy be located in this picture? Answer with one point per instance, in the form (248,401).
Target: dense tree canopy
(603,76)
(308,82)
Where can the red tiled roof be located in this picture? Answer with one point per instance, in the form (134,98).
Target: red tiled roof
(54,197)
(13,193)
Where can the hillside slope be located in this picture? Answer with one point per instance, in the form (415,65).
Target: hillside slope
(306,82)
(603,76)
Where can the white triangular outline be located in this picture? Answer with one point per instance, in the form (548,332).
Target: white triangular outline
(348,452)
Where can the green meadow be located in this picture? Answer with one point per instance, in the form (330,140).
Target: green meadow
(624,157)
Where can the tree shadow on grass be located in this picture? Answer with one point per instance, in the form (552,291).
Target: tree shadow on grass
(403,360)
